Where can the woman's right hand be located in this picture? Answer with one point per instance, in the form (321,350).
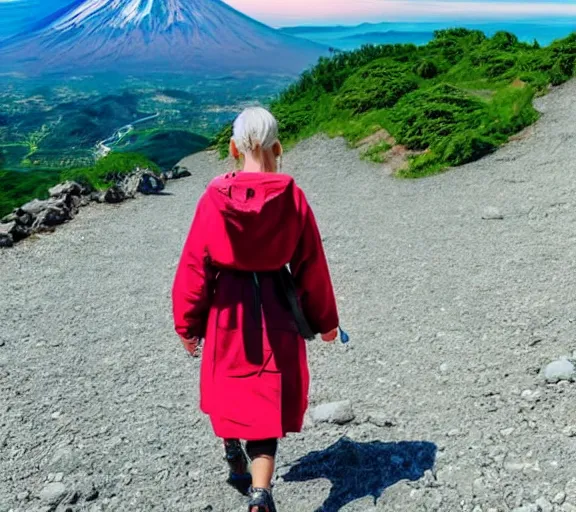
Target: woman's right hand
(192,346)
(330,337)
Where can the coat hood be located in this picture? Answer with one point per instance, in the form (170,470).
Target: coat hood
(257,220)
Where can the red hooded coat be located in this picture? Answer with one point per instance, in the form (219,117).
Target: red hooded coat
(254,375)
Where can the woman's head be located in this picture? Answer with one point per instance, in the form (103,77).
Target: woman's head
(255,137)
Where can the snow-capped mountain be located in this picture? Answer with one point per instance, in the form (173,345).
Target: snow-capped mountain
(154,36)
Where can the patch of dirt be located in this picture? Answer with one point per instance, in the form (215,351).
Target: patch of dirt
(380,136)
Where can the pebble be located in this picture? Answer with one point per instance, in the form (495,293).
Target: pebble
(531,396)
(559,498)
(560,370)
(492,213)
(507,432)
(23,495)
(544,505)
(52,493)
(381,419)
(339,413)
(569,431)
(570,490)
(527,508)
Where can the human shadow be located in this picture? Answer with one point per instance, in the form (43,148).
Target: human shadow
(357,470)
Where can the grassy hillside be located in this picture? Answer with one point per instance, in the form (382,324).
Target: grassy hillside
(449,102)
(164,147)
(16,188)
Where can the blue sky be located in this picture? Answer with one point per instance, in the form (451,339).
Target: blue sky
(15,13)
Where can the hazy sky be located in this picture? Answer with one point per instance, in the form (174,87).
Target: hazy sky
(349,12)
(280,12)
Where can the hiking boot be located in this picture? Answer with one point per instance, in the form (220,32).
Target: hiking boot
(261,501)
(239,476)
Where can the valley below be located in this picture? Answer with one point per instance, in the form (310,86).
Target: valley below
(52,124)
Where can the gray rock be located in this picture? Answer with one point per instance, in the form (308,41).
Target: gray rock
(66,188)
(6,241)
(53,215)
(527,508)
(53,493)
(561,370)
(22,496)
(570,490)
(130,185)
(150,183)
(492,213)
(114,195)
(545,505)
(559,498)
(97,196)
(380,419)
(35,206)
(64,460)
(339,413)
(13,230)
(179,172)
(6,228)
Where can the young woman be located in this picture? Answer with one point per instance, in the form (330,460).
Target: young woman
(249,225)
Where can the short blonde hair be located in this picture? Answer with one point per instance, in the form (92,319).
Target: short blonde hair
(255,128)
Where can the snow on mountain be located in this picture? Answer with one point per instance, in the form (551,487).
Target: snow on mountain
(154,36)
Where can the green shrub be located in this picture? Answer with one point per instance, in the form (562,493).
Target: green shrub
(503,41)
(423,165)
(376,86)
(499,65)
(464,147)
(426,69)
(424,117)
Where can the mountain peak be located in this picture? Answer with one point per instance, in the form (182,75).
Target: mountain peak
(157,36)
(123,13)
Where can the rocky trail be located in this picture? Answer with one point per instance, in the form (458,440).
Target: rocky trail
(456,290)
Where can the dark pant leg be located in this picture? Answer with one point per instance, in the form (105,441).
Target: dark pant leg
(267,447)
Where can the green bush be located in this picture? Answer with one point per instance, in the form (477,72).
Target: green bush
(376,86)
(423,118)
(426,69)
(503,41)
(464,147)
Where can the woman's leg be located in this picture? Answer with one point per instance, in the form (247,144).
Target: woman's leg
(239,477)
(235,456)
(262,454)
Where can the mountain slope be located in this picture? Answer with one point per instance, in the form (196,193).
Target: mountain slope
(154,36)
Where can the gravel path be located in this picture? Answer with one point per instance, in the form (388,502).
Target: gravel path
(451,318)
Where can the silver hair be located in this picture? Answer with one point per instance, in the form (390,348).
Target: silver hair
(255,128)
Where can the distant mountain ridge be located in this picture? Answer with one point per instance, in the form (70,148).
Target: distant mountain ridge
(155,36)
(352,36)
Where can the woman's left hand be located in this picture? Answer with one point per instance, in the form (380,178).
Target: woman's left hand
(192,346)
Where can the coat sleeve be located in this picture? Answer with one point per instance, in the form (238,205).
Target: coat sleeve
(312,277)
(194,280)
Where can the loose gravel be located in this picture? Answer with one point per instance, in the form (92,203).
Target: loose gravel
(457,291)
